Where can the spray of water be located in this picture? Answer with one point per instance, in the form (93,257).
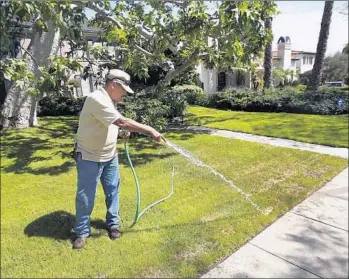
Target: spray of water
(185,153)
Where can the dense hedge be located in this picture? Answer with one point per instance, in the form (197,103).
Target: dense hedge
(171,105)
(324,101)
(55,106)
(142,107)
(192,94)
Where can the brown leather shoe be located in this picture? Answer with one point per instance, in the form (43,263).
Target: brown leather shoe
(79,243)
(114,233)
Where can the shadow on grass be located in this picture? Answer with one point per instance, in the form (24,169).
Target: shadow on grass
(21,145)
(24,145)
(22,149)
(58,225)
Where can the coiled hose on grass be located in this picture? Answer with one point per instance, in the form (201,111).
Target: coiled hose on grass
(138,204)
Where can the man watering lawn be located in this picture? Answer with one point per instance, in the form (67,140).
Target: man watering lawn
(96,155)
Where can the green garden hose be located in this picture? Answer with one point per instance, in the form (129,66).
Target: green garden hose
(138,205)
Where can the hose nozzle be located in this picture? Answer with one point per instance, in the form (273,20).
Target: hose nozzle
(163,138)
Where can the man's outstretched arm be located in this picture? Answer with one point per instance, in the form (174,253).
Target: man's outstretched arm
(134,126)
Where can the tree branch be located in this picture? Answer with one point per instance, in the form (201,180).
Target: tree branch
(27,52)
(176,72)
(88,60)
(144,51)
(145,33)
(32,39)
(105,14)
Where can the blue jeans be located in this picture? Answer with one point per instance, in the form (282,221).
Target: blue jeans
(89,174)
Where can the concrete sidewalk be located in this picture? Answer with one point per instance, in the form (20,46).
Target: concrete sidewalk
(310,241)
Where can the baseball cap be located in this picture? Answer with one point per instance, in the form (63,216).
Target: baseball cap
(121,78)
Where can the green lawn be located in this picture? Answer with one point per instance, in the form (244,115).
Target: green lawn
(203,222)
(329,130)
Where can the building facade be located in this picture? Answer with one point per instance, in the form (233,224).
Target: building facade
(213,80)
(286,58)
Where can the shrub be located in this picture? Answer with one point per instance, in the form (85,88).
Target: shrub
(175,101)
(330,89)
(193,94)
(325,103)
(263,103)
(220,100)
(301,88)
(142,107)
(288,90)
(288,99)
(145,110)
(56,106)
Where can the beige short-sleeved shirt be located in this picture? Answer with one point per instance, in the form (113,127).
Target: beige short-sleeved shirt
(97,136)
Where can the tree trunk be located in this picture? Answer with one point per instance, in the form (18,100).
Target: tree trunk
(20,109)
(268,57)
(321,46)
(33,121)
(174,73)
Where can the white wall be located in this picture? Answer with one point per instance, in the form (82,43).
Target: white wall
(308,65)
(208,77)
(298,64)
(284,51)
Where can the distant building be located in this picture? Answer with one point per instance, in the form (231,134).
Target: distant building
(286,58)
(213,80)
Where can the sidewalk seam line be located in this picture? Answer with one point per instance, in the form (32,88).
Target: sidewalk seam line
(284,259)
(344,199)
(301,215)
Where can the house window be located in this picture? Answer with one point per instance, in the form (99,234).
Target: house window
(304,59)
(222,80)
(293,63)
(310,60)
(240,78)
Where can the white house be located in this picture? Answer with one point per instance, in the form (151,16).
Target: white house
(286,58)
(213,80)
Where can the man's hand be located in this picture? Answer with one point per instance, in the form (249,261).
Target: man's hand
(124,134)
(134,126)
(156,135)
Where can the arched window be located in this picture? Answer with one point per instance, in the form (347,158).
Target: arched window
(222,80)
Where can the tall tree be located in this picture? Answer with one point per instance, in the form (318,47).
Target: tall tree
(336,68)
(24,67)
(172,34)
(268,54)
(177,34)
(321,46)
